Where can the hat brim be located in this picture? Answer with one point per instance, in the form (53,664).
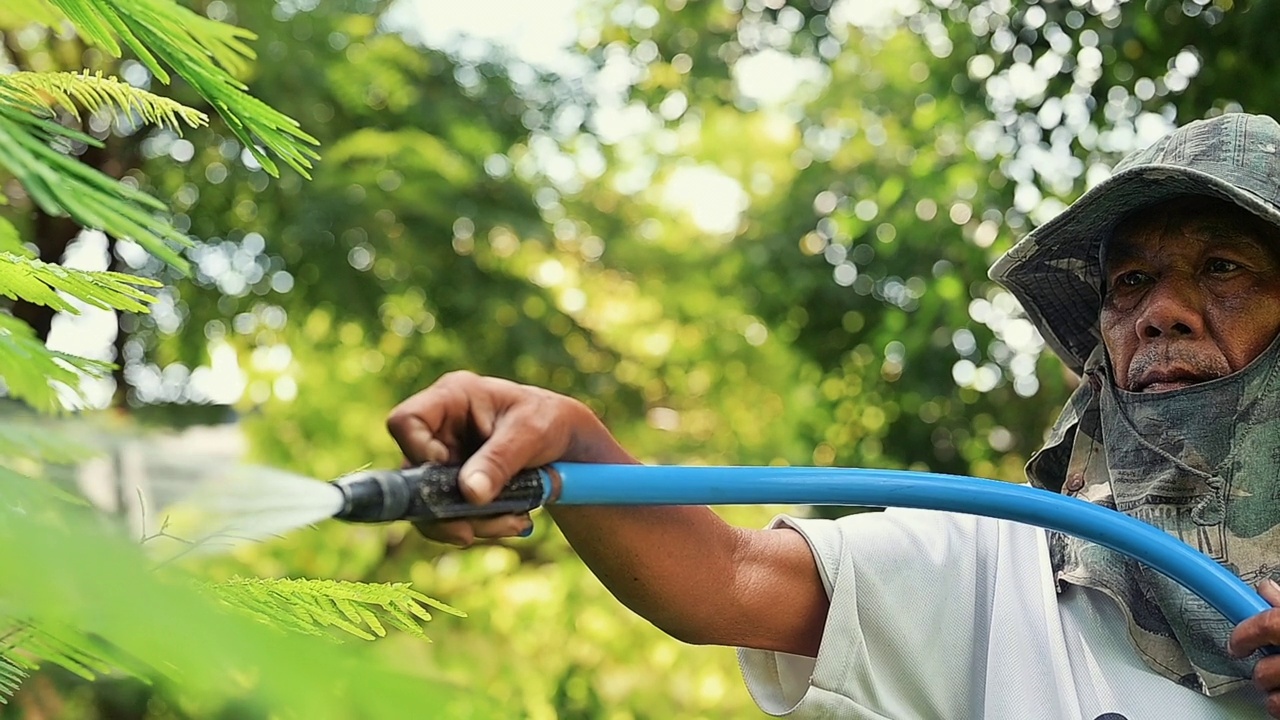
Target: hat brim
(1055,271)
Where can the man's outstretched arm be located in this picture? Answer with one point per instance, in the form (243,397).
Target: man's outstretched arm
(682,568)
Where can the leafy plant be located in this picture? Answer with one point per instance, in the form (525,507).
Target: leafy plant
(96,93)
(33,373)
(48,284)
(361,609)
(11,675)
(203,52)
(74,592)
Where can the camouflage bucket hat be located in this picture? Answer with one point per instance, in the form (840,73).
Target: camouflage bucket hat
(1055,271)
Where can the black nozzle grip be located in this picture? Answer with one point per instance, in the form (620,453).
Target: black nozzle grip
(436,495)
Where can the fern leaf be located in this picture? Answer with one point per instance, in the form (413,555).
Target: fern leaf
(33,373)
(11,240)
(348,609)
(62,185)
(371,619)
(51,645)
(256,602)
(20,13)
(27,645)
(419,597)
(330,613)
(403,620)
(360,609)
(203,52)
(95,92)
(11,676)
(39,282)
(417,610)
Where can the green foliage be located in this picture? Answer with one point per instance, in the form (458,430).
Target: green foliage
(10,240)
(159,625)
(40,283)
(62,186)
(34,373)
(18,13)
(72,91)
(11,676)
(84,656)
(478,213)
(104,609)
(159,31)
(361,609)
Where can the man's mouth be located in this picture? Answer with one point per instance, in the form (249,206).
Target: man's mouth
(1164,380)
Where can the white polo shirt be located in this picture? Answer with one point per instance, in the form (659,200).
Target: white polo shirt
(942,615)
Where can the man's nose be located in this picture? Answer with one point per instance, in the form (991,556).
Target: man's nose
(1173,309)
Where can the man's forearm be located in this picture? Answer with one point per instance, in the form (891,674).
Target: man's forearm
(682,568)
(701,580)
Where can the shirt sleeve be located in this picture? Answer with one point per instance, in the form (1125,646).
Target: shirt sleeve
(906,632)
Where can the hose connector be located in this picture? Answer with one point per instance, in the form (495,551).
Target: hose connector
(430,493)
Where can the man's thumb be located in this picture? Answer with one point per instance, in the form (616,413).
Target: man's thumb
(476,481)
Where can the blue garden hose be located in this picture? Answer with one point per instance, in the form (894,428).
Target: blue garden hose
(431,493)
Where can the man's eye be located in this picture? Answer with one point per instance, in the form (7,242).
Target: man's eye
(1218,266)
(1133,278)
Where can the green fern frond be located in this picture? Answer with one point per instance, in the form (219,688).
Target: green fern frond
(23,278)
(203,52)
(20,13)
(95,92)
(25,646)
(11,676)
(36,374)
(360,609)
(62,185)
(11,239)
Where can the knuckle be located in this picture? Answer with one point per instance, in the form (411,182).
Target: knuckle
(1266,675)
(537,418)
(399,418)
(551,409)
(1270,625)
(457,377)
(1273,705)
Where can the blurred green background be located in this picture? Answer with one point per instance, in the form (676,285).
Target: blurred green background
(744,232)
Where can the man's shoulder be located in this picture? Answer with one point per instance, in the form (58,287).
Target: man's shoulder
(929,534)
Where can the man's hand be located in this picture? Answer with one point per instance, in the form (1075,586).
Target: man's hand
(495,428)
(1260,631)
(682,568)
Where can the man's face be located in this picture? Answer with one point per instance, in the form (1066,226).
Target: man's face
(1193,294)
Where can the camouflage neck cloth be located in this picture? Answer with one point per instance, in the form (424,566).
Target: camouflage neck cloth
(1201,463)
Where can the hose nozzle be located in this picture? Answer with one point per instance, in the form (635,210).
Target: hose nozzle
(430,493)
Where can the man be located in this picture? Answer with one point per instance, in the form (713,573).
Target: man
(1161,287)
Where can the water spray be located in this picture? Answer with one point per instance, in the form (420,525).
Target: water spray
(430,493)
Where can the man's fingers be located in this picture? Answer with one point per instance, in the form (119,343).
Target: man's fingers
(463,533)
(501,526)
(1266,674)
(1270,592)
(1261,629)
(412,435)
(454,532)
(519,440)
(430,424)
(515,427)
(1258,631)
